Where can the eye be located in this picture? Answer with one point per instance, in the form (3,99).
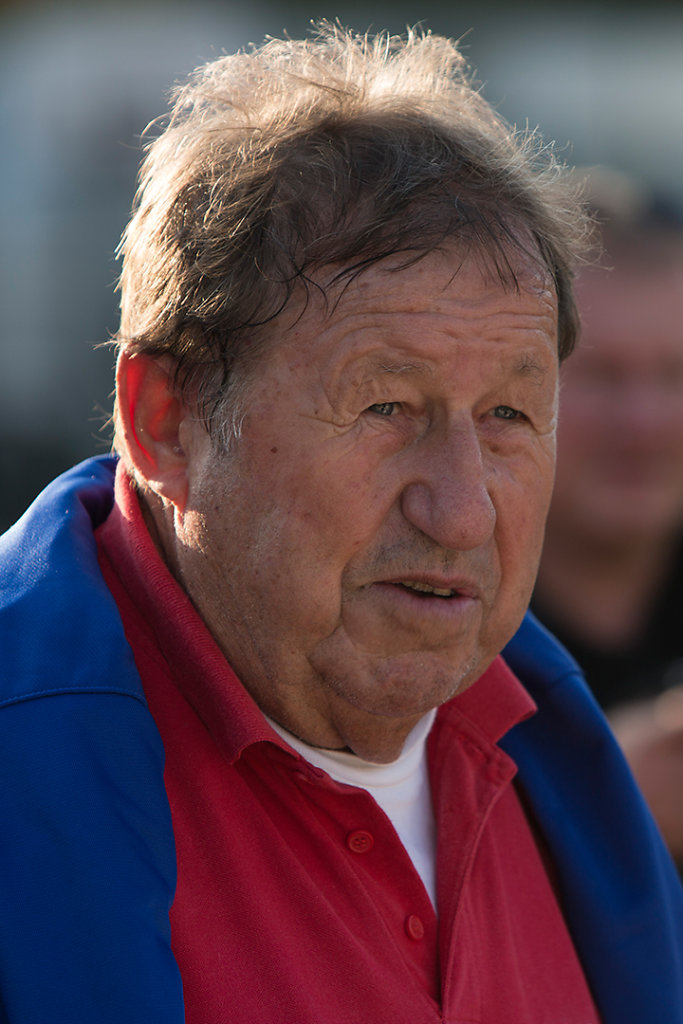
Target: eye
(506,412)
(384,408)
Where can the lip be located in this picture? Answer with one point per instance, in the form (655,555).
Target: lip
(430,618)
(462,587)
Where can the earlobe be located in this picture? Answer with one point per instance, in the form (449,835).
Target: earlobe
(150,417)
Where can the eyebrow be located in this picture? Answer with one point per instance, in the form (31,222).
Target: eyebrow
(528,367)
(397,368)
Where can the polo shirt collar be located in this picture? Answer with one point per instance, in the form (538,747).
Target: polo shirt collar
(495,703)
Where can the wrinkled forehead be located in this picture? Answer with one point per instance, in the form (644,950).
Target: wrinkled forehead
(442,315)
(398,282)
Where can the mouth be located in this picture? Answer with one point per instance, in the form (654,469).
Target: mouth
(435,587)
(427,610)
(426,590)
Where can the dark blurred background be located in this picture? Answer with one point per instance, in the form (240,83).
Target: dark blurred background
(79,82)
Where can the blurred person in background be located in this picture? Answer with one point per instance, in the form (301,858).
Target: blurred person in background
(610,583)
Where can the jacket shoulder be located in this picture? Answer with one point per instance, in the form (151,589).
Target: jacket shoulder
(60,630)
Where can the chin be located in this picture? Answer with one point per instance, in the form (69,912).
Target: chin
(404,684)
(410,685)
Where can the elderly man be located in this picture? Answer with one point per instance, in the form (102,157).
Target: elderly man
(266,762)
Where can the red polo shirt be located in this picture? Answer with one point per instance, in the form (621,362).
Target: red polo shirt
(296,901)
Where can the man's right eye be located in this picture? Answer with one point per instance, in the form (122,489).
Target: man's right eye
(384,408)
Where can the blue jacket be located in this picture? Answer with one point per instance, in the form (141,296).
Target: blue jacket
(87,861)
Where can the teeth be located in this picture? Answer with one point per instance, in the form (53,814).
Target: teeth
(424,588)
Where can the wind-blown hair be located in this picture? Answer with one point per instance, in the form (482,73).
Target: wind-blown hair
(331,152)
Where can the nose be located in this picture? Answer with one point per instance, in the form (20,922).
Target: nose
(447,497)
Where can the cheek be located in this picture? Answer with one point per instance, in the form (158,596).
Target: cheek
(520,537)
(522,509)
(338,504)
(304,534)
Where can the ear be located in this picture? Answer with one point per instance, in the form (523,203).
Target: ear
(150,423)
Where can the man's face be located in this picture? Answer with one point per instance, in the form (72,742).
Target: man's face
(620,440)
(372,541)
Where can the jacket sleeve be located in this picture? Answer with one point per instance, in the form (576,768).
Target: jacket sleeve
(621,894)
(87,865)
(87,855)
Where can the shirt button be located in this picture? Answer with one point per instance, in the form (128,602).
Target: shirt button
(360,841)
(415,928)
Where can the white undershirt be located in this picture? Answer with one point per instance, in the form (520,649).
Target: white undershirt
(401,788)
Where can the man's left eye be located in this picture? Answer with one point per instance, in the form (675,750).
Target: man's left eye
(506,412)
(383,408)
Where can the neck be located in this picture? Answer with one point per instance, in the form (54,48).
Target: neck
(371,738)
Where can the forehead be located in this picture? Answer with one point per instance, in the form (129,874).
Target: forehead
(434,281)
(412,309)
